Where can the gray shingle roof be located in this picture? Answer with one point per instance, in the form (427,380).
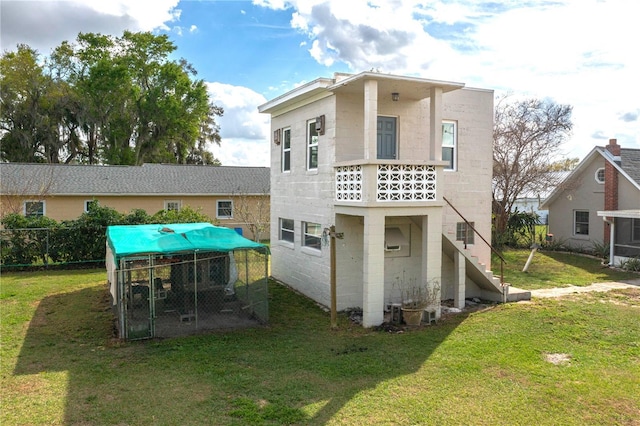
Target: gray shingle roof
(631,163)
(148,179)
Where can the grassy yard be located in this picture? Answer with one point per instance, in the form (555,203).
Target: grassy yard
(555,269)
(60,364)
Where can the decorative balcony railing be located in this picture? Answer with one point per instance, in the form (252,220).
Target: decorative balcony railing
(349,183)
(393,182)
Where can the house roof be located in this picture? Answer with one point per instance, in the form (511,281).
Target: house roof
(148,179)
(416,88)
(629,168)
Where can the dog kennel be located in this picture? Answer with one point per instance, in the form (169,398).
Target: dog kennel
(179,279)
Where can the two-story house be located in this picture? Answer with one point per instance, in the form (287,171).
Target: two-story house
(375,155)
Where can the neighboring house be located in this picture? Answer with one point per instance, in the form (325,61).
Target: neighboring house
(530,201)
(64,192)
(603,189)
(375,155)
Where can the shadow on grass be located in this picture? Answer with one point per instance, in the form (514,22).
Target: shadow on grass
(295,371)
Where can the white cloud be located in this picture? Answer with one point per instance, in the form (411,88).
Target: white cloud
(244,131)
(579,53)
(43,25)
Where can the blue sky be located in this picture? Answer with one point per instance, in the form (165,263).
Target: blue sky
(577,52)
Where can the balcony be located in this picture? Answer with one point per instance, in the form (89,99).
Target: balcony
(387,182)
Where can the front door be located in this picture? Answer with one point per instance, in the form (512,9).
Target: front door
(386,138)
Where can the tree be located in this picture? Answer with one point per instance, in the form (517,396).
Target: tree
(105,100)
(526,137)
(253,210)
(24,117)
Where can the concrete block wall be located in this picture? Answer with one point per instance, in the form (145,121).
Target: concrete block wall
(303,196)
(469,187)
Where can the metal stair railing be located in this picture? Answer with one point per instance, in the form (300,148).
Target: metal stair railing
(469,225)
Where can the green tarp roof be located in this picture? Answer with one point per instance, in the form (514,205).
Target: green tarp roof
(130,240)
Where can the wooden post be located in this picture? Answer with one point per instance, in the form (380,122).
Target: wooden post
(334,311)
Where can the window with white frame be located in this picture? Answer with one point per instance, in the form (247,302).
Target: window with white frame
(286,149)
(450,144)
(312,145)
(581,222)
(600,175)
(311,235)
(286,230)
(88,204)
(464,232)
(34,208)
(224,209)
(172,205)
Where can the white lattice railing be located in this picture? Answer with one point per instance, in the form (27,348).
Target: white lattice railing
(401,182)
(349,183)
(394,182)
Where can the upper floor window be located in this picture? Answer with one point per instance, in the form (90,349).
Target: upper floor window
(312,145)
(171,205)
(224,209)
(464,232)
(581,222)
(600,175)
(286,150)
(286,230)
(311,235)
(450,144)
(34,208)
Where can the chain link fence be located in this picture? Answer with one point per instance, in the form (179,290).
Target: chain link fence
(169,296)
(46,247)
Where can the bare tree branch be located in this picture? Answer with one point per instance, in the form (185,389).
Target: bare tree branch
(526,137)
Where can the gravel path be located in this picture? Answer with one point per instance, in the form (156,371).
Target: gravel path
(562,291)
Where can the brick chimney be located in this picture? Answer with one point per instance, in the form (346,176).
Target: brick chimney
(611,183)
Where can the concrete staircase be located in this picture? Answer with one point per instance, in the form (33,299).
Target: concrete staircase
(490,287)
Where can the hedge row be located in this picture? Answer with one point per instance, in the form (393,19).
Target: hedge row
(42,240)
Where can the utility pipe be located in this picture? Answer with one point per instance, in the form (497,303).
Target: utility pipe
(534,249)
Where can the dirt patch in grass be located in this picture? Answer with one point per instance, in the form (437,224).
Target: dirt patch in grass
(558,358)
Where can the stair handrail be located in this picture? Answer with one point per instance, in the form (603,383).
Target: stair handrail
(502,261)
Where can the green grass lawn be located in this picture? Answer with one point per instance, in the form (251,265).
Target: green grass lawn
(550,269)
(60,364)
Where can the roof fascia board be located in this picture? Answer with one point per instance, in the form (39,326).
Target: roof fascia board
(390,77)
(310,89)
(151,194)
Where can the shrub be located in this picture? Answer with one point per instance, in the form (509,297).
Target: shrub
(631,264)
(185,215)
(29,239)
